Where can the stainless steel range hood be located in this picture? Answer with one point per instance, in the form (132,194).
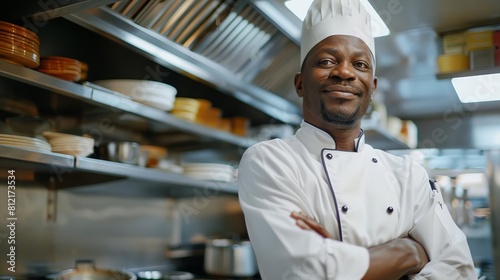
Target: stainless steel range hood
(226,43)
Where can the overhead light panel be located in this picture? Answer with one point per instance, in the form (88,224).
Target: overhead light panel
(379,28)
(481,88)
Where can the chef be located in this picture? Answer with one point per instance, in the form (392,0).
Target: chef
(323,204)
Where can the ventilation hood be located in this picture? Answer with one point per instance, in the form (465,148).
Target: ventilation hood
(227,43)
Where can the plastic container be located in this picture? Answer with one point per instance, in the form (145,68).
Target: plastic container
(454,43)
(477,40)
(449,63)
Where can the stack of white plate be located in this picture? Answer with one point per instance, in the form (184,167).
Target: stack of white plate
(24,142)
(209,171)
(151,93)
(69,144)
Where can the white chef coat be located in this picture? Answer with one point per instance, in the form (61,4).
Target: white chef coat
(378,197)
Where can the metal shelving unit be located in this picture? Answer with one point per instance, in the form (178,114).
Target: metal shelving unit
(67,171)
(472,72)
(102,98)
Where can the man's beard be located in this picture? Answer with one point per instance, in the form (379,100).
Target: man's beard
(339,117)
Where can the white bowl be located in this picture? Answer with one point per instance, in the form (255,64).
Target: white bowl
(140,89)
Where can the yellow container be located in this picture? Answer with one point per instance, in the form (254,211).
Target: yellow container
(454,43)
(449,63)
(477,40)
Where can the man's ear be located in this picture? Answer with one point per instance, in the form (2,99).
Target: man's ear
(374,86)
(298,84)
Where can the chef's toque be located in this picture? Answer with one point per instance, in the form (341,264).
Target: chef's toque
(335,17)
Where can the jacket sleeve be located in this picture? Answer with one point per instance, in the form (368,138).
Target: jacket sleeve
(269,190)
(446,245)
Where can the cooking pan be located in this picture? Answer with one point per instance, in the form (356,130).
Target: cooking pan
(86,269)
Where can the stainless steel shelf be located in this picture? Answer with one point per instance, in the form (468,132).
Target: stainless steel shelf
(44,81)
(162,117)
(98,97)
(472,72)
(26,155)
(381,139)
(152,45)
(68,172)
(149,175)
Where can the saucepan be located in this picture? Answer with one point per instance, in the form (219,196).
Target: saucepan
(86,269)
(230,257)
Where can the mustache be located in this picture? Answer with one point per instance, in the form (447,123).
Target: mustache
(343,83)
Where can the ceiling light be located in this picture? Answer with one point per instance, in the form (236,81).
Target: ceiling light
(300,7)
(477,88)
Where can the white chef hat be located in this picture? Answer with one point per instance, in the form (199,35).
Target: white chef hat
(335,17)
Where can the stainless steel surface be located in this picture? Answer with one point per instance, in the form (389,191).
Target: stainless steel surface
(381,139)
(44,81)
(177,57)
(230,258)
(72,171)
(35,15)
(164,275)
(170,180)
(117,232)
(51,159)
(493,173)
(124,152)
(93,95)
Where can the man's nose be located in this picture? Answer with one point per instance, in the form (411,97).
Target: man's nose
(344,71)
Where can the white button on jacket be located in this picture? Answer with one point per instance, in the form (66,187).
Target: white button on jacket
(364,198)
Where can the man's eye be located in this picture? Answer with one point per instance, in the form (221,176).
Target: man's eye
(361,65)
(326,62)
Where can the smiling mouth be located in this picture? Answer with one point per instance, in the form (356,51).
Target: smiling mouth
(341,92)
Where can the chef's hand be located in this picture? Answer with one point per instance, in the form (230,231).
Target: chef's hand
(392,260)
(396,259)
(308,223)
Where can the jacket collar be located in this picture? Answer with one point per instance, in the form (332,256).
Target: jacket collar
(315,139)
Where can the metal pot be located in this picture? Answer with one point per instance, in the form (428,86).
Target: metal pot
(85,269)
(164,275)
(124,152)
(230,257)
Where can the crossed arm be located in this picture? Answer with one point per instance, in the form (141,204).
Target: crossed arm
(392,260)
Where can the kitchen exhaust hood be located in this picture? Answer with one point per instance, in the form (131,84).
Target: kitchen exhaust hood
(226,43)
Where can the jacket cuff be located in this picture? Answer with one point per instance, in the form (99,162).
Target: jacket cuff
(347,261)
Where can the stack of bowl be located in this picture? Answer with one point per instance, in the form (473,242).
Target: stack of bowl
(19,45)
(209,171)
(199,111)
(69,144)
(65,68)
(151,93)
(186,108)
(240,126)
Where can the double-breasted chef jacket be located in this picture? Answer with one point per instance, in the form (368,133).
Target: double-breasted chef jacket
(363,198)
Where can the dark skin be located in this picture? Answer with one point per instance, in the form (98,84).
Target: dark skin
(336,83)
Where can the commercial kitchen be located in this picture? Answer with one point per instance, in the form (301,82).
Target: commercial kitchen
(122,124)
